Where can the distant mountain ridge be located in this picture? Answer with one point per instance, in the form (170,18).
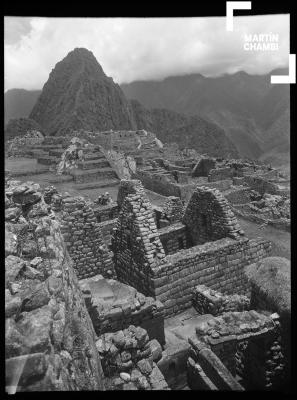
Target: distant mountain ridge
(254,113)
(18,103)
(78,95)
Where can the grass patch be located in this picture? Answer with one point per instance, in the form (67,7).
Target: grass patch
(272,277)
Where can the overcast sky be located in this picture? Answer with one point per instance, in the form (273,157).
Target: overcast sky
(140,49)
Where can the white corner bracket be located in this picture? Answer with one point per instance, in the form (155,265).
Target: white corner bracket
(291,78)
(235,5)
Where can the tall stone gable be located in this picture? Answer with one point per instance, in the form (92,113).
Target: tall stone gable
(209,217)
(138,251)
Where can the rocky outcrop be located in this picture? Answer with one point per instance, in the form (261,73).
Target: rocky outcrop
(49,337)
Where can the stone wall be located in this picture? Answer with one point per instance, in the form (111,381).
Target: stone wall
(238,196)
(208,301)
(173,238)
(203,167)
(172,209)
(129,360)
(248,344)
(49,337)
(135,242)
(261,185)
(173,364)
(221,185)
(106,228)
(159,183)
(260,301)
(113,306)
(244,211)
(209,217)
(207,372)
(268,175)
(166,185)
(181,176)
(238,180)
(84,240)
(104,213)
(219,265)
(220,174)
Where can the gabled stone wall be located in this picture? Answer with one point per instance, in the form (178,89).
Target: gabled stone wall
(208,217)
(136,244)
(140,260)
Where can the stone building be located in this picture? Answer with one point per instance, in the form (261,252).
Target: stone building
(210,248)
(169,307)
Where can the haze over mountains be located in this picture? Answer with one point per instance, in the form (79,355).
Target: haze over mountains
(254,113)
(215,115)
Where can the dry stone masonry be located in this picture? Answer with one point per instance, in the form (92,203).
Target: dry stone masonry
(209,217)
(208,301)
(129,360)
(127,296)
(113,305)
(49,337)
(136,244)
(246,342)
(219,264)
(84,240)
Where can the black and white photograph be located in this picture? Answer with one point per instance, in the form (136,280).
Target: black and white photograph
(147,201)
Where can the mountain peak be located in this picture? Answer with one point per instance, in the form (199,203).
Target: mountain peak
(78,95)
(81,53)
(81,57)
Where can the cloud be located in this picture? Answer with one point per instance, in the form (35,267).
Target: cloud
(15,28)
(140,48)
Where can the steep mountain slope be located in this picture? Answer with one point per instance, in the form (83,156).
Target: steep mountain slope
(79,95)
(192,132)
(18,103)
(20,126)
(253,113)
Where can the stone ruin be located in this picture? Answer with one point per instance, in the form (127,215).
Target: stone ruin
(164,305)
(208,247)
